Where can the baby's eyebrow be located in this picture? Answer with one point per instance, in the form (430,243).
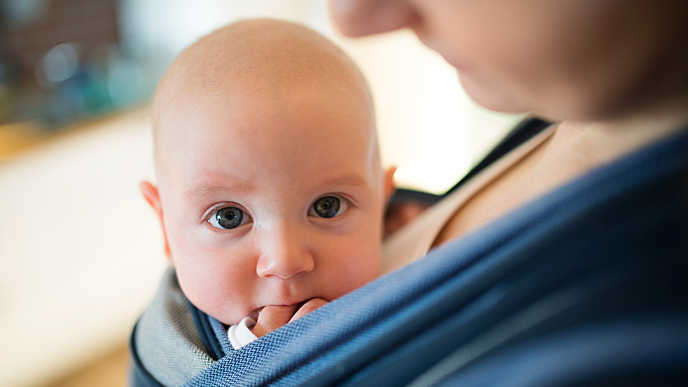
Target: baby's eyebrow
(202,190)
(209,189)
(352,180)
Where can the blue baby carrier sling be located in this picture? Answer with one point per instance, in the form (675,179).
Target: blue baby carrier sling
(588,285)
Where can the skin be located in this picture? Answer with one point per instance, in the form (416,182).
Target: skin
(400,214)
(267,117)
(614,72)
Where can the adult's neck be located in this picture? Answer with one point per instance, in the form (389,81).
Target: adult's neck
(575,149)
(595,143)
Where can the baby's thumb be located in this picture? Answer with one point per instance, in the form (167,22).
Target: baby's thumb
(309,306)
(273,317)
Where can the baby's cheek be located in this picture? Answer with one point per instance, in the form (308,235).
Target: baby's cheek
(216,286)
(354,274)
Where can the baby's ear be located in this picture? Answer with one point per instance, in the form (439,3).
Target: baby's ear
(150,193)
(389,184)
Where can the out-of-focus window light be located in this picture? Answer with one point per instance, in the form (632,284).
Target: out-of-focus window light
(429,128)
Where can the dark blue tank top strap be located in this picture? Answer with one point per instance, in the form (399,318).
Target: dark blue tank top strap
(523,132)
(205,330)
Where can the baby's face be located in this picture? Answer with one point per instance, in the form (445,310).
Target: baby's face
(270,198)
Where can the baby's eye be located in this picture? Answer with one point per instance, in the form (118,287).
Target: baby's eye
(227,218)
(327,207)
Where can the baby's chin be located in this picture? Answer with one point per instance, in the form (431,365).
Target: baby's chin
(234,318)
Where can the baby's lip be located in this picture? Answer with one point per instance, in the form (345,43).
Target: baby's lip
(256,312)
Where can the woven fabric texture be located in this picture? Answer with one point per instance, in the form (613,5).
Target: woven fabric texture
(560,282)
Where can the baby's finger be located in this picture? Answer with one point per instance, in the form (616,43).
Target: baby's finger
(309,306)
(273,317)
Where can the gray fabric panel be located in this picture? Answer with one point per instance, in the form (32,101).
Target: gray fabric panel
(167,341)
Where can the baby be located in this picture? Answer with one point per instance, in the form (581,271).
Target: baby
(269,190)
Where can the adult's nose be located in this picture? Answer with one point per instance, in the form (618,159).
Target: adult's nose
(366,17)
(284,253)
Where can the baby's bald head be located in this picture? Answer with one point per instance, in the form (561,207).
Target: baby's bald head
(277,52)
(270,189)
(265,57)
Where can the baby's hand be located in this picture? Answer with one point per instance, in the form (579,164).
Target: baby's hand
(273,317)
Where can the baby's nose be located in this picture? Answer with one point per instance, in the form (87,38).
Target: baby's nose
(284,254)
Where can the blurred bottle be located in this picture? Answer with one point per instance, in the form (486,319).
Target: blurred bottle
(6,91)
(85,87)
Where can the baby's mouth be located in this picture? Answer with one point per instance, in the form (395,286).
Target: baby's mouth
(256,312)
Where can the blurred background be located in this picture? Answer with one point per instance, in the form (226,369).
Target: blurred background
(80,251)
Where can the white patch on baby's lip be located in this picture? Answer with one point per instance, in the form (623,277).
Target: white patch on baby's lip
(256,312)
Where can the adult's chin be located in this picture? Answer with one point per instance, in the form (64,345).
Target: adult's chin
(491,96)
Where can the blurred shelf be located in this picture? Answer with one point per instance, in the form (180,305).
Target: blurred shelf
(18,137)
(15,138)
